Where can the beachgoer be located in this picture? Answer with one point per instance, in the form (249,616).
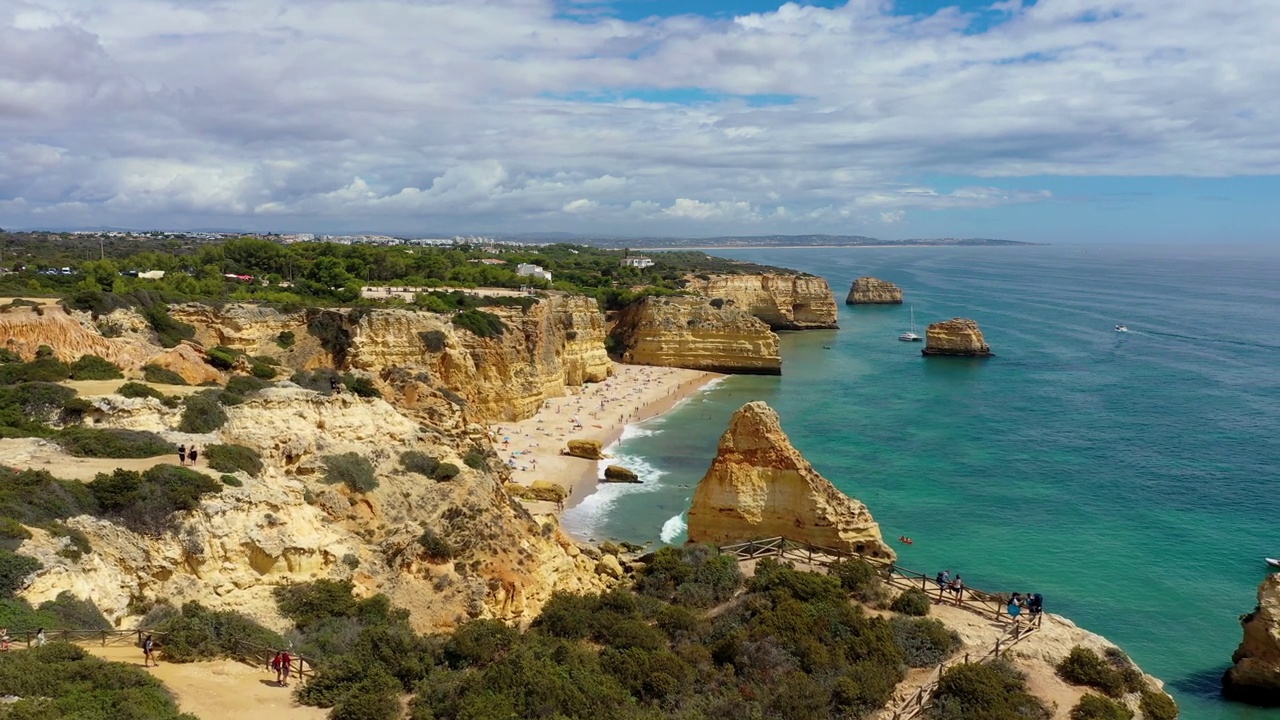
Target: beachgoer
(40,637)
(192,454)
(277,664)
(957,587)
(148,645)
(1035,603)
(182,455)
(286,664)
(5,642)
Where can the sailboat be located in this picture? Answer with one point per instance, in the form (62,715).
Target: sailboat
(911,336)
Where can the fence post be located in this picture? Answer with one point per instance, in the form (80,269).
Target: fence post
(997,647)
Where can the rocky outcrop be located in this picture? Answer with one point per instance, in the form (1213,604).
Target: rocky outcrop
(24,329)
(958,337)
(873,291)
(619,474)
(587,449)
(760,486)
(784,302)
(693,333)
(1255,676)
(188,361)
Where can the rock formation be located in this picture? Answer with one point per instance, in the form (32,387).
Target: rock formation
(784,302)
(959,337)
(587,449)
(760,486)
(692,333)
(1255,676)
(873,291)
(619,474)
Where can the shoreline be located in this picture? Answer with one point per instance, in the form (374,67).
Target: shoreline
(635,393)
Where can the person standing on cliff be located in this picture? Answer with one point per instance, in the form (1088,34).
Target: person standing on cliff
(957,587)
(944,583)
(182,455)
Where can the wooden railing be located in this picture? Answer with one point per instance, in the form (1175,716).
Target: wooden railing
(243,650)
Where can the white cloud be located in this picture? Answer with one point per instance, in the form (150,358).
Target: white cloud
(891,217)
(401,115)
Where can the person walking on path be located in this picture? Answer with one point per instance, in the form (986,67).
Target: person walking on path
(40,637)
(277,664)
(148,648)
(192,454)
(286,664)
(957,588)
(182,455)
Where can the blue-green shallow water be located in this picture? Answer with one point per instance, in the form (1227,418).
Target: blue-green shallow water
(1130,478)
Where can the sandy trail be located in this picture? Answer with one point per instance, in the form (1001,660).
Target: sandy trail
(599,411)
(93,388)
(219,689)
(39,454)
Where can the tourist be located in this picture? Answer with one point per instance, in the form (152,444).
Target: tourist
(148,646)
(1015,607)
(192,454)
(277,664)
(333,385)
(1035,604)
(957,587)
(944,582)
(5,642)
(286,664)
(40,637)
(182,455)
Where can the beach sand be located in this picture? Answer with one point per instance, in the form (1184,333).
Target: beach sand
(531,448)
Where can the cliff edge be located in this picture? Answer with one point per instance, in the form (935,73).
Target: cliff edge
(1255,676)
(867,290)
(784,302)
(689,332)
(760,486)
(958,337)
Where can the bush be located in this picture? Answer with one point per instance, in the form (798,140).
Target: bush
(374,697)
(445,472)
(143,502)
(860,579)
(475,460)
(13,570)
(202,413)
(1157,705)
(262,371)
(63,681)
(34,497)
(8,356)
(161,376)
(350,469)
(231,481)
(12,534)
(246,384)
(307,604)
(1082,666)
(913,601)
(415,461)
(230,458)
(924,643)
(434,340)
(169,331)
(113,443)
(138,390)
(197,633)
(222,357)
(92,367)
(1097,707)
(361,386)
(480,323)
(694,575)
(436,547)
(286,339)
(72,613)
(78,543)
(42,369)
(985,691)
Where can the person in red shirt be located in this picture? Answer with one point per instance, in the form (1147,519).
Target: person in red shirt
(286,664)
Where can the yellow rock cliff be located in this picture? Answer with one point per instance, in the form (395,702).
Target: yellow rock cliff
(784,302)
(873,291)
(1255,675)
(689,332)
(958,337)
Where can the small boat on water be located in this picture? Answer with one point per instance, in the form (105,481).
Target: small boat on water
(911,336)
(1121,328)
(1273,562)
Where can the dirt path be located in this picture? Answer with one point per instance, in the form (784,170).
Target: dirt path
(92,388)
(38,454)
(219,689)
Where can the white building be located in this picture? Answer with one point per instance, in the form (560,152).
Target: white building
(636,262)
(533,271)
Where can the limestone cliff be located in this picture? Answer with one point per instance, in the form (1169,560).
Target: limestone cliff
(1255,676)
(958,337)
(760,486)
(287,525)
(873,291)
(692,333)
(784,302)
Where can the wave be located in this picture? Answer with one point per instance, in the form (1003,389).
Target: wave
(585,518)
(673,528)
(636,431)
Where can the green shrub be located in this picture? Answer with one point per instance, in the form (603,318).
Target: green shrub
(307,604)
(480,323)
(13,570)
(246,384)
(693,575)
(63,681)
(42,369)
(143,502)
(231,481)
(1130,676)
(73,411)
(197,633)
(161,376)
(416,461)
(92,367)
(229,399)
(445,472)
(1083,666)
(1097,707)
(138,390)
(202,413)
(222,357)
(350,469)
(230,458)
(78,543)
(286,339)
(361,386)
(8,356)
(434,340)
(72,613)
(475,460)
(319,380)
(169,331)
(913,601)
(860,579)
(435,546)
(924,643)
(262,371)
(328,328)
(36,498)
(30,404)
(984,691)
(375,697)
(1157,705)
(12,534)
(113,443)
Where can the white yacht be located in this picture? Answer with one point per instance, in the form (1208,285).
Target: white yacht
(1121,328)
(911,336)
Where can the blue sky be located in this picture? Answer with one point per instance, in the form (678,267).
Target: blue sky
(1054,120)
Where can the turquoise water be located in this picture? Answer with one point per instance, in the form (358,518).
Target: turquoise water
(1130,478)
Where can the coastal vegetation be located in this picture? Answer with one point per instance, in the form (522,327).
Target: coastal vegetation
(63,681)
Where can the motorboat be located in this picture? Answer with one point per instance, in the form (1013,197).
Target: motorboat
(1273,562)
(910,335)
(1121,328)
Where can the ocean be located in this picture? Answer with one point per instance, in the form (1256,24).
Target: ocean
(1129,478)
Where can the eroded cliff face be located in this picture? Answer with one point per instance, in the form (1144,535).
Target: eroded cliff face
(784,302)
(958,337)
(873,291)
(1255,676)
(287,525)
(690,332)
(760,486)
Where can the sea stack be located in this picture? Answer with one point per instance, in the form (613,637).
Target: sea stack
(957,337)
(873,291)
(760,486)
(1255,676)
(698,334)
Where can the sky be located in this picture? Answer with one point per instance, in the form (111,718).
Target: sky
(1047,121)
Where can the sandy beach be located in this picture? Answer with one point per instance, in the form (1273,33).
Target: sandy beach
(598,411)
